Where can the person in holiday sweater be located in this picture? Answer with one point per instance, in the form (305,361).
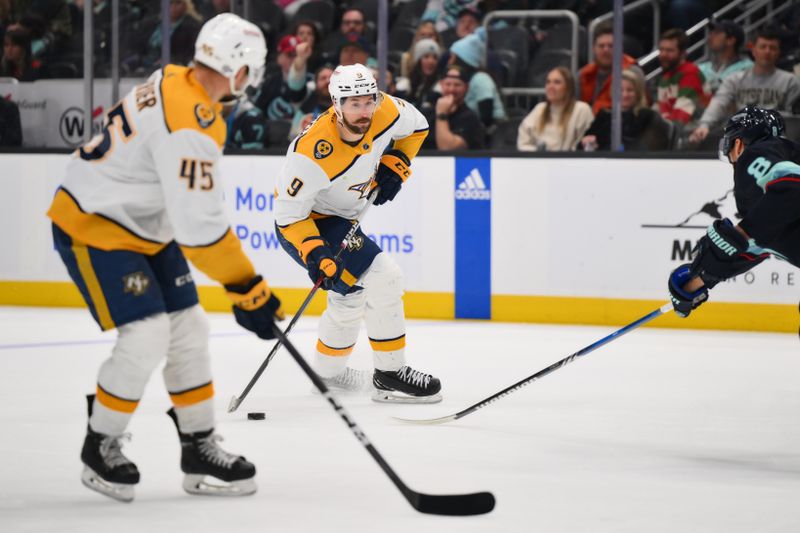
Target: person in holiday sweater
(680,88)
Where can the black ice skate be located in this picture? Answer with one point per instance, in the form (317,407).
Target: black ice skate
(405,386)
(201,456)
(106,469)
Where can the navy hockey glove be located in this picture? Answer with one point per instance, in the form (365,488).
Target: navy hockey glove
(392,172)
(722,254)
(255,307)
(320,261)
(684,302)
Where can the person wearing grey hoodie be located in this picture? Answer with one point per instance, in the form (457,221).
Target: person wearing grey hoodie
(762,85)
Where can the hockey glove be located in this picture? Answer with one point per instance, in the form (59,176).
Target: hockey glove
(722,254)
(684,302)
(321,262)
(392,172)
(255,307)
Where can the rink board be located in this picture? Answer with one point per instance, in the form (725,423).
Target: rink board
(515,239)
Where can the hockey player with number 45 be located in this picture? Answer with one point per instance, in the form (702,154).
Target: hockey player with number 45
(138,200)
(766,176)
(366,139)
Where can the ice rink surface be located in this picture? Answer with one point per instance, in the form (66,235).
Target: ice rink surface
(659,431)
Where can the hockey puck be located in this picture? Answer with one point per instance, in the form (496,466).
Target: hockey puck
(256,415)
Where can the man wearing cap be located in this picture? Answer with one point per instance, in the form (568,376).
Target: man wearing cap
(763,85)
(285,87)
(456,127)
(724,42)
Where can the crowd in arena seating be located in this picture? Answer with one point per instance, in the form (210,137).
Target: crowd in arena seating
(443,60)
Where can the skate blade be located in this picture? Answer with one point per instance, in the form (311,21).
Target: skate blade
(386,396)
(197,484)
(121,492)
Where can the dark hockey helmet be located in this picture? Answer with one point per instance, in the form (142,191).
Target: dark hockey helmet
(751,124)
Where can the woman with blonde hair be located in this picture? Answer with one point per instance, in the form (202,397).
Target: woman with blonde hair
(426,30)
(643,129)
(558,123)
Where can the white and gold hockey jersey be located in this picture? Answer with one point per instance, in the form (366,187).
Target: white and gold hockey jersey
(325,176)
(150,177)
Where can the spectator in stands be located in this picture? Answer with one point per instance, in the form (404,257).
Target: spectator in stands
(763,85)
(17,61)
(446,13)
(427,31)
(48,22)
(306,31)
(680,92)
(725,41)
(594,79)
(420,84)
(316,102)
(285,87)
(483,96)
(643,129)
(185,23)
(454,126)
(558,123)
(247,126)
(356,49)
(352,26)
(391,85)
(10,127)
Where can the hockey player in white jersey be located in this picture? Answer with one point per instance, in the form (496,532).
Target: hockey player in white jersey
(366,139)
(138,200)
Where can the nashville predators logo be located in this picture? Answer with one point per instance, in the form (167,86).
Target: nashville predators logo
(322,149)
(355,243)
(205,115)
(136,283)
(363,189)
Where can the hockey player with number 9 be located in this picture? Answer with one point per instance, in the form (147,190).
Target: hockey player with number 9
(138,200)
(766,176)
(366,139)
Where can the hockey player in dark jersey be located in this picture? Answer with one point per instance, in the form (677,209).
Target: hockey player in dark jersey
(766,176)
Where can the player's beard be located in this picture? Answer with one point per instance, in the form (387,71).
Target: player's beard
(357,128)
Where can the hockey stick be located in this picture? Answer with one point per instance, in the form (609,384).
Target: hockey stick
(555,366)
(451,504)
(236,401)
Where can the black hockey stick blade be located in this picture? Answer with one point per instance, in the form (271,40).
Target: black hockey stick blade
(453,505)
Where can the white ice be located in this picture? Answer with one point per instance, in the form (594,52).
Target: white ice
(659,431)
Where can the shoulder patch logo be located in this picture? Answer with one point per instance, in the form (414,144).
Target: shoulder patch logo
(322,149)
(205,115)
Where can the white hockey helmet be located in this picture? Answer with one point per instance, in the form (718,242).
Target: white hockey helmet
(226,43)
(351,80)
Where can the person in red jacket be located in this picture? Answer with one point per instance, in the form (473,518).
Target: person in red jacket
(680,88)
(595,78)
